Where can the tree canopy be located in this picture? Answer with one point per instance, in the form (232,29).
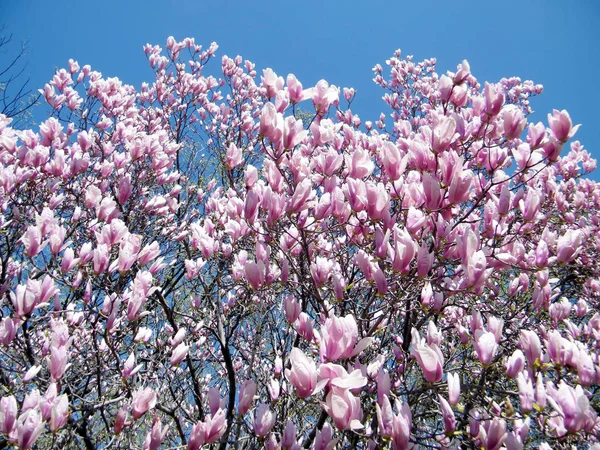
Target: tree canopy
(240,261)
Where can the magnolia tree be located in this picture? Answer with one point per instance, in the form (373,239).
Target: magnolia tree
(238,261)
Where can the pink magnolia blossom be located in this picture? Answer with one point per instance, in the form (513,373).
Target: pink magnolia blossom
(401,427)
(68,261)
(323,96)
(214,400)
(272,82)
(234,156)
(179,354)
(526,393)
(344,409)
(429,357)
(453,388)
(246,396)
(143,400)
(156,435)
(59,356)
(404,250)
(100,258)
(305,326)
(255,273)
(561,125)
(29,428)
(56,239)
(515,363)
(425,262)
(494,99)
(531,346)
(215,427)
(289,435)
(320,270)
(485,346)
(460,187)
(292,308)
(442,134)
(495,434)
(125,189)
(128,253)
(25,298)
(297,94)
(120,420)
(393,162)
(303,373)
(178,337)
(514,122)
(148,253)
(32,240)
(274,389)
(324,439)
(8,414)
(385,418)
(568,245)
(394,426)
(475,270)
(32,400)
(60,413)
(271,123)
(447,415)
(263,420)
(338,338)
(196,440)
(572,405)
(336,375)
(586,370)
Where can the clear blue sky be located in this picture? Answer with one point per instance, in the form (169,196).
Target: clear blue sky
(552,42)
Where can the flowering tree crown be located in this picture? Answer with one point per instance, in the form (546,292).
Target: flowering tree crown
(241,262)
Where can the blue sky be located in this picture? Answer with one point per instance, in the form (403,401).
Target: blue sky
(551,42)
